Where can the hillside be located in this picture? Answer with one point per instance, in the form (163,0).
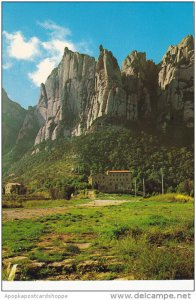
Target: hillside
(13,116)
(71,161)
(93,116)
(19,129)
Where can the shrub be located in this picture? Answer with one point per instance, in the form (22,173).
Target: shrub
(43,256)
(170,190)
(12,201)
(186,187)
(148,261)
(119,232)
(155,237)
(63,192)
(172,197)
(136,232)
(72,249)
(129,249)
(156,220)
(164,264)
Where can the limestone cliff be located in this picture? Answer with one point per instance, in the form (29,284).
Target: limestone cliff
(82,92)
(140,83)
(65,96)
(176,82)
(109,98)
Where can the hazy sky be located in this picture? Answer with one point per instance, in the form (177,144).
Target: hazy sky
(35,34)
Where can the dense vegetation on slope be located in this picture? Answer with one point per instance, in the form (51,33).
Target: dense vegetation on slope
(12,119)
(25,140)
(70,161)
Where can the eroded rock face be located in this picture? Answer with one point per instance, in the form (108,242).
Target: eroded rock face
(80,92)
(109,97)
(65,96)
(139,81)
(29,128)
(176,82)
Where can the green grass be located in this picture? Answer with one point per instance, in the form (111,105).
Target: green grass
(148,239)
(75,201)
(148,261)
(43,256)
(19,236)
(53,203)
(106,196)
(172,197)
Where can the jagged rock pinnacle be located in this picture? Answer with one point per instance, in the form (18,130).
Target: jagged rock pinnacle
(81,92)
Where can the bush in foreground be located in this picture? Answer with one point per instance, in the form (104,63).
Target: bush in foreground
(172,197)
(150,261)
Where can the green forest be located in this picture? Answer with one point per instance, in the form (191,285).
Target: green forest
(69,161)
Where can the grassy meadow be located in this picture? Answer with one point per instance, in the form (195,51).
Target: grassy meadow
(149,238)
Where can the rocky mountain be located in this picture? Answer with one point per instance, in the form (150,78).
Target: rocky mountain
(19,128)
(140,83)
(30,127)
(12,119)
(65,96)
(139,116)
(176,86)
(83,94)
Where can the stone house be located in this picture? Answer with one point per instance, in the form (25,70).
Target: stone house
(13,188)
(114,181)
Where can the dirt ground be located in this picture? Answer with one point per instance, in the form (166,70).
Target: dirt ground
(33,213)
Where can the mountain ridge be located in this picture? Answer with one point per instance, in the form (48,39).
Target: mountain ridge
(12,119)
(139,117)
(83,95)
(81,92)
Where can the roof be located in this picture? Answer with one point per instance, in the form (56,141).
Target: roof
(119,171)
